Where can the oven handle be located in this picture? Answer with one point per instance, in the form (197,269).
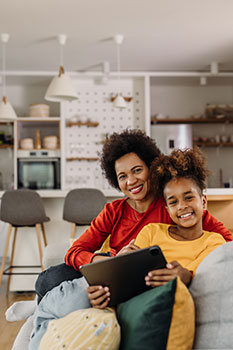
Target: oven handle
(29,160)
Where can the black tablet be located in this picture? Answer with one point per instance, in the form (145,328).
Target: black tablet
(124,274)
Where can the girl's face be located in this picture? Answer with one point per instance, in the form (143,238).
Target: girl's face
(184,201)
(132,175)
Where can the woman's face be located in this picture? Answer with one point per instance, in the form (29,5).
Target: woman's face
(133,176)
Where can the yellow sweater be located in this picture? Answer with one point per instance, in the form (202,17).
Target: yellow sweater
(188,253)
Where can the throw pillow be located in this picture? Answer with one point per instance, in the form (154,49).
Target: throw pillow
(212,289)
(161,318)
(90,329)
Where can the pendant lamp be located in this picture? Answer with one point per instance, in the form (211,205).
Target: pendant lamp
(61,87)
(6,110)
(119,101)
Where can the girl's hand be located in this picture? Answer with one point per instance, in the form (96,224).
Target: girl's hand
(160,277)
(129,248)
(98,296)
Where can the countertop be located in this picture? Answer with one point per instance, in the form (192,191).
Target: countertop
(213,194)
(62,193)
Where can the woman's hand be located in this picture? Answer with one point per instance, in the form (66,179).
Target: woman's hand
(98,296)
(129,248)
(160,277)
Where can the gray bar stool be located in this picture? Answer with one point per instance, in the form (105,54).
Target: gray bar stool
(21,208)
(81,206)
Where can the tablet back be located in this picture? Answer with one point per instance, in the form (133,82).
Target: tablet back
(124,274)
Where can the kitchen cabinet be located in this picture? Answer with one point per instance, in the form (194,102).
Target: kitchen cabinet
(6,155)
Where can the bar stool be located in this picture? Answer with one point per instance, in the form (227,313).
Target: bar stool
(21,208)
(81,206)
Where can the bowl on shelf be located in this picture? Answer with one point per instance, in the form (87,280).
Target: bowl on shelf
(50,142)
(26,143)
(39,110)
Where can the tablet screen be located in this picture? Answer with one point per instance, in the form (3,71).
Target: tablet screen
(124,274)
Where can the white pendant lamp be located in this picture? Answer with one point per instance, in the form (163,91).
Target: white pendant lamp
(61,87)
(119,101)
(6,110)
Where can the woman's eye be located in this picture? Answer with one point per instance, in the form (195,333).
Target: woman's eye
(138,170)
(122,177)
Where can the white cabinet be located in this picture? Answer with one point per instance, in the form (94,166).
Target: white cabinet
(6,155)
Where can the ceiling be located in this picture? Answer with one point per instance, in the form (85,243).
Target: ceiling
(160,35)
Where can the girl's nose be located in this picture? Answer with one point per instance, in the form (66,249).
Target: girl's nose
(182,205)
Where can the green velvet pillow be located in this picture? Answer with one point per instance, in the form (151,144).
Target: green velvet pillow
(161,318)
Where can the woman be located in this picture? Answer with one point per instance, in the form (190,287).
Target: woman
(125,160)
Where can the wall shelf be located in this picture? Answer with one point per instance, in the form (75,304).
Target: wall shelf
(212,144)
(89,124)
(191,121)
(5,146)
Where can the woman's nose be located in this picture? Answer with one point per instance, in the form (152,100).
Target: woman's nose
(131,179)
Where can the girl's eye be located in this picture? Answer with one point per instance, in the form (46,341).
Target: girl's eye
(189,198)
(172,203)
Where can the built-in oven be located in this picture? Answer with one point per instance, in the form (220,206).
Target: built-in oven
(39,169)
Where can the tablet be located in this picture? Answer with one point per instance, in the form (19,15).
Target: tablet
(124,274)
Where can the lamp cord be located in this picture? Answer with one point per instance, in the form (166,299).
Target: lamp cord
(4,69)
(118,65)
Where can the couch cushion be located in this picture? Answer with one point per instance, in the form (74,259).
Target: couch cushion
(161,318)
(90,329)
(212,289)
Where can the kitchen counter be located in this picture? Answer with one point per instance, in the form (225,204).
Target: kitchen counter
(219,194)
(213,194)
(62,193)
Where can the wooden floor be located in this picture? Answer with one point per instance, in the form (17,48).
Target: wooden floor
(9,330)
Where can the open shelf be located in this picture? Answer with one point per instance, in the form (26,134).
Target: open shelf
(191,121)
(5,146)
(212,144)
(89,124)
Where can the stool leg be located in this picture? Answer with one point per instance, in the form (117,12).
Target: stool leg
(5,252)
(73,230)
(44,235)
(39,244)
(11,261)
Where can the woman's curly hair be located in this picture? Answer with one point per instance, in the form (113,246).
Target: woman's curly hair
(119,144)
(188,163)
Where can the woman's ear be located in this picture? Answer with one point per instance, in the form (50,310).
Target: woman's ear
(204,201)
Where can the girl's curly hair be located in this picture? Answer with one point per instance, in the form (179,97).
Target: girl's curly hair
(188,163)
(119,144)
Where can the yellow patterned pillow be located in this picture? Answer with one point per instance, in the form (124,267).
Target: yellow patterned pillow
(90,329)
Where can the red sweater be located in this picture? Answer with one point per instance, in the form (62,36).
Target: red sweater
(119,219)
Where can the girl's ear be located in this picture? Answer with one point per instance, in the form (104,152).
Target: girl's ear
(204,201)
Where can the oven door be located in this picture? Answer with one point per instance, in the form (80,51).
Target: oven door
(39,173)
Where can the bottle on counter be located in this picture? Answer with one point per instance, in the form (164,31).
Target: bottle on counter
(38,140)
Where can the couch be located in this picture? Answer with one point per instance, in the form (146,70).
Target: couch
(211,291)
